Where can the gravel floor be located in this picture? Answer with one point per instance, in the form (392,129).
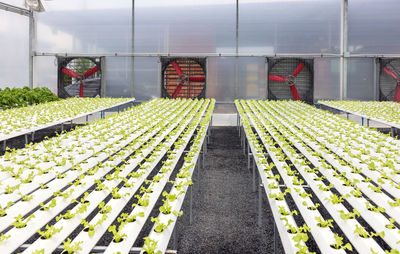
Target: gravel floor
(224,207)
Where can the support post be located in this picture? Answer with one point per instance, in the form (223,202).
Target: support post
(33,136)
(392,131)
(191,205)
(367,122)
(4,145)
(254,174)
(260,186)
(275,239)
(26,138)
(362,121)
(62,127)
(343,50)
(248,157)
(87,118)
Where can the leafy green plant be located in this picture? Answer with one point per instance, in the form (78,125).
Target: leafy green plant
(339,243)
(160,226)
(118,237)
(350,215)
(324,223)
(4,237)
(49,232)
(52,204)
(20,222)
(150,246)
(90,227)
(72,248)
(3,210)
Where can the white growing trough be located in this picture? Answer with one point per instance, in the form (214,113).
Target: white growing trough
(320,160)
(97,169)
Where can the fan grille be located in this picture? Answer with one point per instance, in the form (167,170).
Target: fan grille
(387,84)
(190,89)
(303,81)
(69,86)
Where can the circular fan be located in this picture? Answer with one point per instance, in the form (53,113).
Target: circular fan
(389,82)
(79,77)
(183,78)
(290,79)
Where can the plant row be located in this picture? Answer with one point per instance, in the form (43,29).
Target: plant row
(103,181)
(387,111)
(17,120)
(334,198)
(21,97)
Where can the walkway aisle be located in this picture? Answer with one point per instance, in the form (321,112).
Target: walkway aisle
(225,209)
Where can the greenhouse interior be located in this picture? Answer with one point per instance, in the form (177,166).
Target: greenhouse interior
(188,126)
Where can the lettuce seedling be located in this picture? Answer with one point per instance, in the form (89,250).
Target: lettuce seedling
(20,222)
(72,248)
(118,237)
(49,232)
(339,243)
(150,246)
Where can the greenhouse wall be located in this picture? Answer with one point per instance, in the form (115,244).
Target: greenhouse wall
(14,50)
(104,28)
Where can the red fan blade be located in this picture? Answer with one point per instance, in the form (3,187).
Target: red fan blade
(70,73)
(81,89)
(390,72)
(295,93)
(177,68)
(197,79)
(178,89)
(91,71)
(298,69)
(397,93)
(277,78)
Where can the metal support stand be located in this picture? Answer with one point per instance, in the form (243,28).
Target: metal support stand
(191,205)
(174,239)
(87,118)
(248,157)
(347,116)
(392,131)
(275,239)
(260,186)
(254,175)
(4,145)
(362,121)
(33,136)
(205,147)
(367,122)
(26,138)
(62,127)
(203,159)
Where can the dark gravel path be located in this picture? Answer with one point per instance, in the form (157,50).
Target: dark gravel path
(224,207)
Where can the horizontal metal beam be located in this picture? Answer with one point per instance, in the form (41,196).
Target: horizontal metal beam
(217,55)
(185,55)
(15,9)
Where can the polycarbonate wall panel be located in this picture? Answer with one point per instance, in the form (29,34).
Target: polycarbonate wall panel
(147,78)
(45,72)
(373,26)
(308,26)
(118,75)
(17,3)
(360,79)
(85,26)
(14,50)
(326,79)
(189,26)
(221,78)
(252,84)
